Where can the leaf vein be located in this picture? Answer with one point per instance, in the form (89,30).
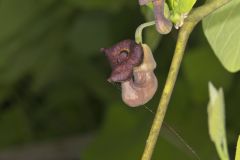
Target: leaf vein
(224,23)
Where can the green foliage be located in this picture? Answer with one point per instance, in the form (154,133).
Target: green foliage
(222,32)
(52,72)
(181,6)
(42,95)
(179,9)
(216,121)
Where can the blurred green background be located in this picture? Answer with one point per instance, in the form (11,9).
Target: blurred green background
(55,102)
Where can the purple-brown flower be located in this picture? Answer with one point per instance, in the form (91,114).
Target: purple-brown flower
(123,57)
(133,65)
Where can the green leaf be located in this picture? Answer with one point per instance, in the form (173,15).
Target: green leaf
(216,121)
(238,150)
(222,31)
(181,6)
(179,10)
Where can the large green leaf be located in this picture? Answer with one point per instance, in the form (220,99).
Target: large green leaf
(222,30)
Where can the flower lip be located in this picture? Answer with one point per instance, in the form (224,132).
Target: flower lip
(121,74)
(123,57)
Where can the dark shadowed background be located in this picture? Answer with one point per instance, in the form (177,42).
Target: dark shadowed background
(55,102)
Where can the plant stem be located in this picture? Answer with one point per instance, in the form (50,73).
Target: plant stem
(138,34)
(194,17)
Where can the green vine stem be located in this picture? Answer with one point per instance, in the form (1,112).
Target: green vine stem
(138,33)
(194,17)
